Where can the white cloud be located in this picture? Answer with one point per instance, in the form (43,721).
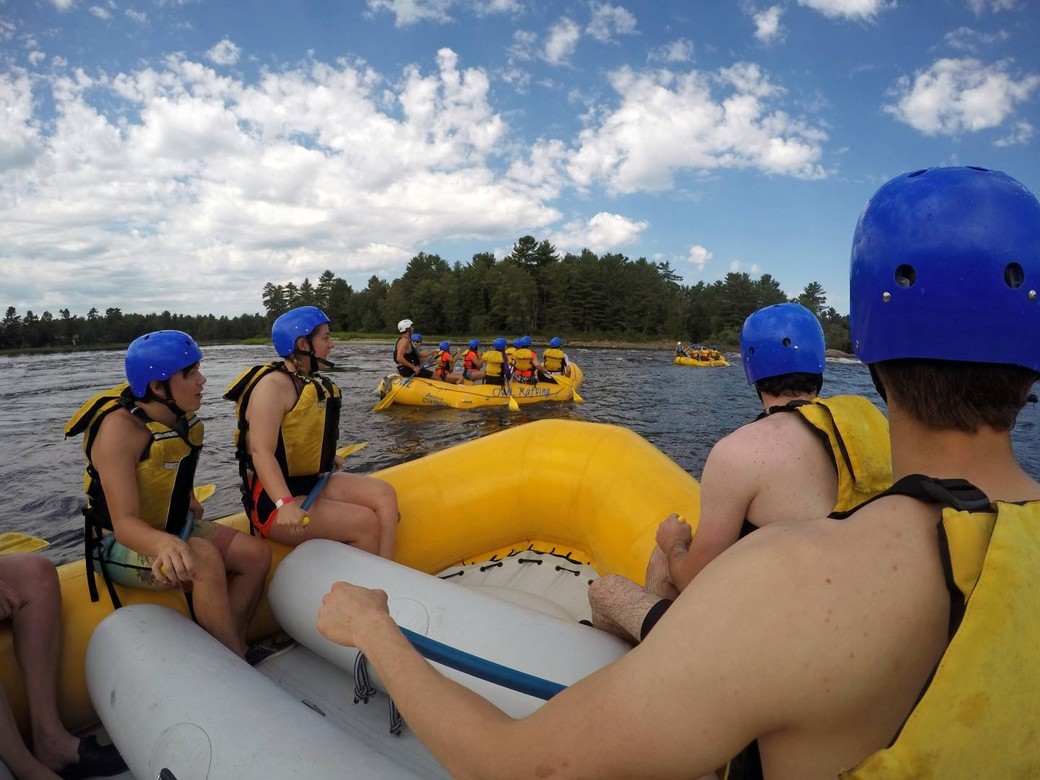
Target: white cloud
(979,7)
(602,233)
(484,7)
(18,127)
(668,122)
(959,95)
(1021,133)
(224,53)
(865,10)
(36,57)
(100,12)
(63,5)
(967,39)
(610,20)
(698,256)
(680,50)
(738,267)
(561,42)
(137,16)
(408,12)
(319,166)
(767,24)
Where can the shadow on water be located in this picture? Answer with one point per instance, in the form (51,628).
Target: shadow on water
(682,410)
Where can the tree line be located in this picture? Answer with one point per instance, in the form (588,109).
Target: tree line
(532,290)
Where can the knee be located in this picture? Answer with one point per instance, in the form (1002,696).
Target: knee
(386,496)
(601,590)
(257,554)
(208,560)
(368,534)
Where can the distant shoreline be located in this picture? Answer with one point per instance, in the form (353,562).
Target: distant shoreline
(651,346)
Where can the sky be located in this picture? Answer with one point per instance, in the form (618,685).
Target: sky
(180,154)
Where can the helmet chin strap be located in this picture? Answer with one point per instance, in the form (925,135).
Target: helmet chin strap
(877,382)
(170,404)
(315,360)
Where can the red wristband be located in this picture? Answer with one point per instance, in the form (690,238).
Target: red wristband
(282,502)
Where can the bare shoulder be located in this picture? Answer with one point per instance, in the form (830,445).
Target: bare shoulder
(804,625)
(121,436)
(766,437)
(274,390)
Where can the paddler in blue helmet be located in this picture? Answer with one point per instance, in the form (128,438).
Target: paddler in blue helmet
(802,457)
(144,525)
(288,428)
(896,641)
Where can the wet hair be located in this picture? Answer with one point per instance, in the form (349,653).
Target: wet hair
(954,395)
(790,384)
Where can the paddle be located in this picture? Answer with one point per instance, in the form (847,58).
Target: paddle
(476,666)
(513,405)
(13,542)
(566,382)
(341,452)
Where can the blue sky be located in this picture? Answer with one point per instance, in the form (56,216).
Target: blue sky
(180,154)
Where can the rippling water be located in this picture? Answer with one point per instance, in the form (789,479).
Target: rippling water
(682,410)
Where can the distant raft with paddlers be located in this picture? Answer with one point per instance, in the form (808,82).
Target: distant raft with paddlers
(683,360)
(414,391)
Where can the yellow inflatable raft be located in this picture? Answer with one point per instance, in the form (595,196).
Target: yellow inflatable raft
(681,360)
(431,392)
(586,497)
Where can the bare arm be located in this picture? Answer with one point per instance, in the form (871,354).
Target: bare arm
(399,353)
(273,396)
(665,702)
(115,453)
(727,488)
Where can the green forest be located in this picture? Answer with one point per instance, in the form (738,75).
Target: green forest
(533,290)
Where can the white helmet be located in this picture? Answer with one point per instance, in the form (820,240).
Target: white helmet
(403,325)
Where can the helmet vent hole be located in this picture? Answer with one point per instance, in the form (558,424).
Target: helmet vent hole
(750,351)
(916,173)
(906,275)
(786,342)
(1014,276)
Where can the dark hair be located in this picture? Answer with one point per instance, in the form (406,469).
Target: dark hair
(149,394)
(790,384)
(955,395)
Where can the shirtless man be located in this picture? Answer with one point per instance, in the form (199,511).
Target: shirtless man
(803,457)
(815,640)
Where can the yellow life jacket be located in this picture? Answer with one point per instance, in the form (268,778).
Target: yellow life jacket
(856,435)
(553,359)
(493,361)
(522,364)
(165,473)
(309,431)
(976,715)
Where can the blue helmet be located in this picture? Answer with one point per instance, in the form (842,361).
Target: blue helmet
(500,344)
(445,346)
(417,337)
(474,343)
(525,341)
(785,338)
(295,323)
(158,356)
(517,343)
(946,266)
(555,342)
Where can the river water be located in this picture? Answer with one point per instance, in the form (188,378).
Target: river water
(682,410)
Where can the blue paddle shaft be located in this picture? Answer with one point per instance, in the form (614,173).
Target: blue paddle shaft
(473,665)
(315,490)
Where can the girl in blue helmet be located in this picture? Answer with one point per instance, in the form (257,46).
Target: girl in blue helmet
(554,360)
(288,429)
(495,362)
(144,525)
(473,362)
(445,371)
